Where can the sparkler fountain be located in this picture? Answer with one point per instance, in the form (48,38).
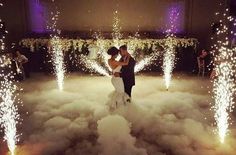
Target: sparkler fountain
(103,45)
(58,60)
(224,82)
(169,55)
(93,65)
(102,49)
(56,51)
(116,34)
(8,111)
(168,61)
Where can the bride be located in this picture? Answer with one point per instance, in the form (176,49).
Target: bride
(118,97)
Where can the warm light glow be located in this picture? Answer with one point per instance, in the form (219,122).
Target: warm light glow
(169,55)
(101,44)
(224,82)
(9,113)
(146,62)
(9,116)
(93,66)
(116,34)
(58,60)
(56,49)
(168,61)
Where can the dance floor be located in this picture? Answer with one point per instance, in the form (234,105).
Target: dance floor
(77,121)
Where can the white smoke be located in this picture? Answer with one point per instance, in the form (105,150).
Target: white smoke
(116,129)
(78,122)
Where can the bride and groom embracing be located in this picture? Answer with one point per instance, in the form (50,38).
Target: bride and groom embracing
(123,78)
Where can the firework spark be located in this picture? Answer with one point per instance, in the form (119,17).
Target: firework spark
(92,65)
(102,49)
(58,60)
(145,62)
(224,83)
(56,49)
(116,34)
(168,61)
(169,56)
(9,113)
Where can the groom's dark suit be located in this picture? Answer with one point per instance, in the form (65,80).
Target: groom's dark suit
(127,74)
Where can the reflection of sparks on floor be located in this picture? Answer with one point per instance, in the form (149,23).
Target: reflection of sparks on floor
(9,113)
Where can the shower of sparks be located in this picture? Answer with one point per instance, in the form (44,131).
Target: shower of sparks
(145,62)
(8,111)
(169,55)
(168,61)
(116,34)
(173,16)
(92,65)
(102,50)
(224,82)
(56,50)
(58,60)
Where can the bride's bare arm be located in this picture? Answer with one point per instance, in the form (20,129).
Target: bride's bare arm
(126,62)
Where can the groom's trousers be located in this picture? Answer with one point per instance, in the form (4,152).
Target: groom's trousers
(128,89)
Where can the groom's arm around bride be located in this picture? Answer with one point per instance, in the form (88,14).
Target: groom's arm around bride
(127,72)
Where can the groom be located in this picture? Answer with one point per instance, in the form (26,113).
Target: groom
(127,72)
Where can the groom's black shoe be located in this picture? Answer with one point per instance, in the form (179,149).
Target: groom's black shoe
(128,100)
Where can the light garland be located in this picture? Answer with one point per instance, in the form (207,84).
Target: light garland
(33,43)
(104,44)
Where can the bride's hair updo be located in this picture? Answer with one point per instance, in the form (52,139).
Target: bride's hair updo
(113,51)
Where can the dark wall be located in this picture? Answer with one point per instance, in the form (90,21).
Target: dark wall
(14,15)
(201,14)
(80,15)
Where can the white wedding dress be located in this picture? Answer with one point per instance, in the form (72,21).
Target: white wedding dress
(118,97)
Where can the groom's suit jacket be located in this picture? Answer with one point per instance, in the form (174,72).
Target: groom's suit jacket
(127,72)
